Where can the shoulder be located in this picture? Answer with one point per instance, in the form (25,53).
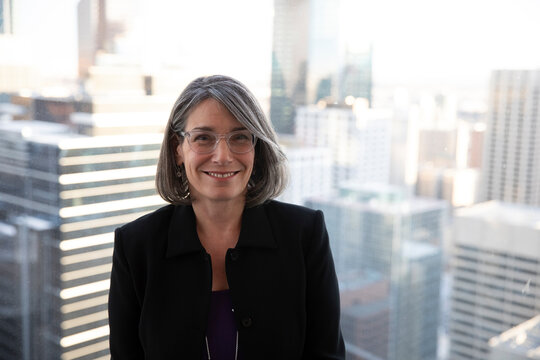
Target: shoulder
(290,211)
(155,220)
(148,231)
(290,216)
(144,240)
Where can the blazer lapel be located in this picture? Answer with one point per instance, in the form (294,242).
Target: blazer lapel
(183,237)
(256,229)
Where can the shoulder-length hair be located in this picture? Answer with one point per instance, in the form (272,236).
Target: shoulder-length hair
(269,175)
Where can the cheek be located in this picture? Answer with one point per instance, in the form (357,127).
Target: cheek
(251,164)
(249,160)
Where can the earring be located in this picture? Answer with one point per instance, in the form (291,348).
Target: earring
(178,172)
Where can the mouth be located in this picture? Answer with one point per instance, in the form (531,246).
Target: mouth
(221,175)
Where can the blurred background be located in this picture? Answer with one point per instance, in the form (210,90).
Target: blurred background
(414,125)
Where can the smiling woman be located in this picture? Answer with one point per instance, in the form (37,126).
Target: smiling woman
(213,170)
(213,98)
(224,271)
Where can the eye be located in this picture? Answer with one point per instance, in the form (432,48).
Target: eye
(242,136)
(201,137)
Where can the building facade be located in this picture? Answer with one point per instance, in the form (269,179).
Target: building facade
(310,172)
(379,230)
(359,140)
(62,194)
(310,60)
(511,152)
(496,272)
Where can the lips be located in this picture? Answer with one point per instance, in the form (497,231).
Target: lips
(221,175)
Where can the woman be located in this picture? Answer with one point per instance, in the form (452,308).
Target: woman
(223,272)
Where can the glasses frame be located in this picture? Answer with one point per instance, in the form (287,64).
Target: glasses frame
(218,137)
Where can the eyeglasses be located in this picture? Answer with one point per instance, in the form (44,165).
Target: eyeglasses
(204,142)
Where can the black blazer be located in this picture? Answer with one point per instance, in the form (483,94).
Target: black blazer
(281,278)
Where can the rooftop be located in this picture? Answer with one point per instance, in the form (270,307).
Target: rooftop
(380,198)
(522,339)
(507,213)
(65,137)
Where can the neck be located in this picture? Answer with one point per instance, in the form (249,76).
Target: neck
(219,221)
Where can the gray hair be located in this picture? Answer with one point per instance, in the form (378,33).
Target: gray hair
(269,175)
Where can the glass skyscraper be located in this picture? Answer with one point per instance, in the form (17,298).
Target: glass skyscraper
(378,232)
(62,194)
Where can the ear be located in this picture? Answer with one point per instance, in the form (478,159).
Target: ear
(179,155)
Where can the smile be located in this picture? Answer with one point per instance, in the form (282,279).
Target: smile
(221,175)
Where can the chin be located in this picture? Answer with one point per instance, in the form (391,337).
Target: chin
(219,197)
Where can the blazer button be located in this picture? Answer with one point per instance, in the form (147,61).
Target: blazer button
(246,322)
(235,255)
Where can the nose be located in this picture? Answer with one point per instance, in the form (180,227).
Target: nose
(222,153)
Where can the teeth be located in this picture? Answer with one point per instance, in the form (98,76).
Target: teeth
(220,175)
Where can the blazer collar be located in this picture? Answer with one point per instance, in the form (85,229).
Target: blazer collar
(182,238)
(256,229)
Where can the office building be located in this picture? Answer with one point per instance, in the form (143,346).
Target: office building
(449,163)
(356,75)
(359,140)
(457,186)
(6,18)
(311,62)
(511,154)
(379,229)
(289,62)
(310,172)
(496,272)
(437,147)
(365,311)
(324,51)
(404,151)
(522,342)
(62,194)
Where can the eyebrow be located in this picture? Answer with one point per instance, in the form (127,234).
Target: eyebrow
(207,128)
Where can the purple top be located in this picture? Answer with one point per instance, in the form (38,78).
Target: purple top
(221,330)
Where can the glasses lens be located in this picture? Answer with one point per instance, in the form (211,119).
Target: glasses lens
(240,141)
(202,141)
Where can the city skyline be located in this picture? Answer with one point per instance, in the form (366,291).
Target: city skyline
(420,43)
(399,182)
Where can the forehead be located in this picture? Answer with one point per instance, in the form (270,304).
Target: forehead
(212,115)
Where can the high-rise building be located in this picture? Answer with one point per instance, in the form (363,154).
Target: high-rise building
(356,75)
(437,147)
(310,61)
(405,134)
(310,172)
(496,272)
(522,342)
(6,18)
(324,51)
(511,153)
(62,194)
(92,32)
(457,186)
(358,139)
(289,62)
(380,229)
(365,310)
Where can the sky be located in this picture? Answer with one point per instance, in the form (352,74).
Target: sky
(414,41)
(447,41)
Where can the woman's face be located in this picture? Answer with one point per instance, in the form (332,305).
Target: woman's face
(220,175)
